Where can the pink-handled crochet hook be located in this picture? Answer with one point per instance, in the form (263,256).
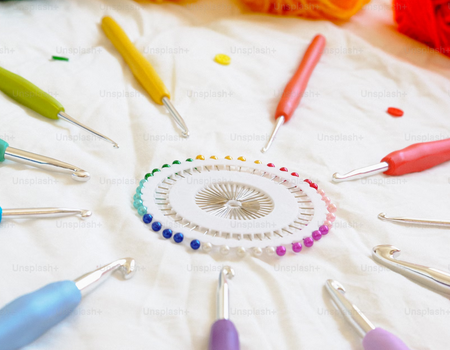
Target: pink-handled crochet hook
(373,338)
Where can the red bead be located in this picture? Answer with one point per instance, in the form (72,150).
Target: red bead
(283,169)
(313,185)
(271,165)
(295,174)
(308,181)
(395,112)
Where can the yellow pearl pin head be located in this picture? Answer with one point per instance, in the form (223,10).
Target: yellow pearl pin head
(222,59)
(241,158)
(229,158)
(213,157)
(258,162)
(200,157)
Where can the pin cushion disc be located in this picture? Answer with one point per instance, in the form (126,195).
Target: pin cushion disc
(233,206)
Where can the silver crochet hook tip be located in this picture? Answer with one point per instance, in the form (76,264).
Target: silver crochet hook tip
(24,213)
(176,117)
(350,311)
(382,216)
(280,121)
(223,302)
(427,276)
(361,172)
(81,176)
(86,213)
(91,280)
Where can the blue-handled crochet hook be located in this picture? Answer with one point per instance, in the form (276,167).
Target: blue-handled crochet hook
(28,317)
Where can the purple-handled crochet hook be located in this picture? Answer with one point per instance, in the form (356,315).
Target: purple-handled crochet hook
(224,335)
(373,338)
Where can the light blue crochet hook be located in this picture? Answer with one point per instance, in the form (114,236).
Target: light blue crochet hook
(28,317)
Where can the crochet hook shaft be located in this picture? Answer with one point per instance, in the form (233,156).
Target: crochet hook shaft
(294,90)
(414,221)
(41,213)
(224,335)
(142,70)
(414,158)
(38,161)
(29,95)
(427,276)
(373,338)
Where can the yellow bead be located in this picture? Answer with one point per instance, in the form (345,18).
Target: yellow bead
(228,157)
(213,157)
(200,157)
(258,162)
(242,158)
(222,59)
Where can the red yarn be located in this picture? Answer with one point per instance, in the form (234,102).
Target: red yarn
(427,21)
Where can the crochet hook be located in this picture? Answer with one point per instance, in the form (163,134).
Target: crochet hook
(38,161)
(373,338)
(224,335)
(142,70)
(41,213)
(415,158)
(414,221)
(427,276)
(29,95)
(294,90)
(28,317)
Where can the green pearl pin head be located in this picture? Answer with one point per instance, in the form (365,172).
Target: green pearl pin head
(3,146)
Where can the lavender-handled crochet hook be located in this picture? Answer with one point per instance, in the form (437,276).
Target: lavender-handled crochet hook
(373,338)
(224,335)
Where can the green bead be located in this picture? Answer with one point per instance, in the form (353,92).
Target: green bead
(189,160)
(176,162)
(137,197)
(142,182)
(139,190)
(137,203)
(142,210)
(156,170)
(148,175)
(166,166)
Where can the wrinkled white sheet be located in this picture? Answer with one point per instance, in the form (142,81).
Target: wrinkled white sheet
(340,125)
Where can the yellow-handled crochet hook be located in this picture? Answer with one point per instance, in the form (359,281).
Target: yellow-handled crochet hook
(142,69)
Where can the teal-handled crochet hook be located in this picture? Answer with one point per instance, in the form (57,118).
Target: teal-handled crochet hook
(29,95)
(42,162)
(28,317)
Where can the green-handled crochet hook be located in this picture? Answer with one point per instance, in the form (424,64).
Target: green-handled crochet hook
(29,95)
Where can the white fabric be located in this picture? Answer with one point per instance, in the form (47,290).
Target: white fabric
(340,125)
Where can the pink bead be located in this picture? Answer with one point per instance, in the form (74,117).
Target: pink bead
(308,241)
(316,235)
(321,192)
(331,217)
(329,224)
(326,199)
(281,250)
(324,229)
(297,247)
(331,208)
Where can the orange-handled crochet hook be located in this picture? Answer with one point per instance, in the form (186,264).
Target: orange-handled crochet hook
(296,87)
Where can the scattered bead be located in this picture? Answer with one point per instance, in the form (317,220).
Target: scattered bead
(142,210)
(156,170)
(137,203)
(324,229)
(297,247)
(395,112)
(331,217)
(222,59)
(206,247)
(316,235)
(258,162)
(167,233)
(295,174)
(148,175)
(257,251)
(284,169)
(195,244)
(308,241)
(176,162)
(224,250)
(147,218)
(200,157)
(241,158)
(271,165)
(313,185)
(156,226)
(228,157)
(189,160)
(332,208)
(213,157)
(178,237)
(166,166)
(281,250)
(240,251)
(270,251)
